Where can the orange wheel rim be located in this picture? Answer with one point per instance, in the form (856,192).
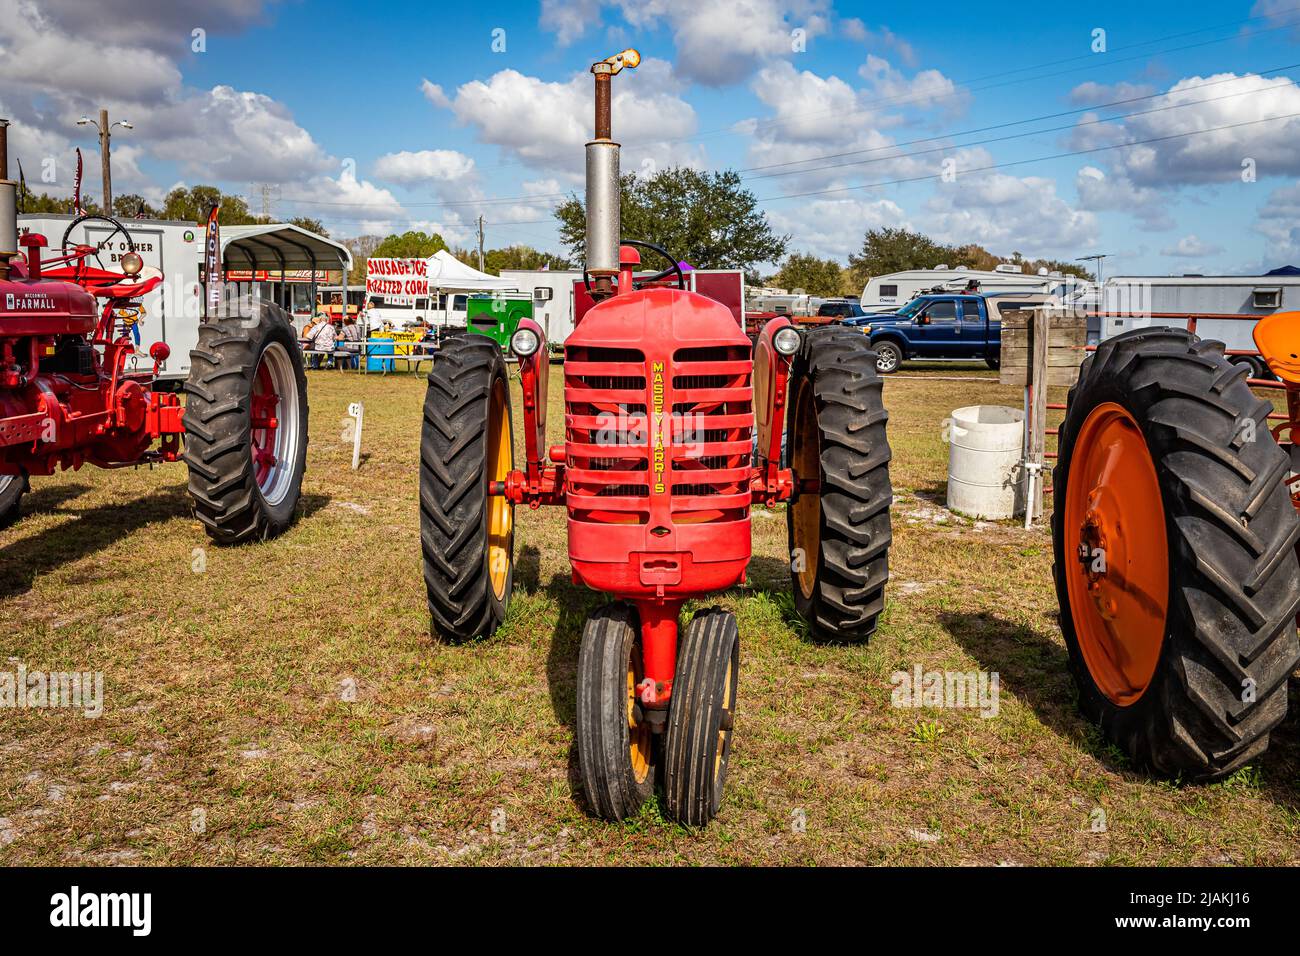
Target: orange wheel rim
(806,511)
(1116,554)
(500,460)
(638,732)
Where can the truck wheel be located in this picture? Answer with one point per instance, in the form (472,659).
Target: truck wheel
(1175,555)
(467,444)
(993,361)
(615,743)
(246,424)
(889,357)
(701,716)
(12,489)
(839,532)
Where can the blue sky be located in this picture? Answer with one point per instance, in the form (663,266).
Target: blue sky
(403,115)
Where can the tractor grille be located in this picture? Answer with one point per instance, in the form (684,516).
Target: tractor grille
(608,434)
(713,420)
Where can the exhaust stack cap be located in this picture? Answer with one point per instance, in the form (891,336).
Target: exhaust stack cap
(603,194)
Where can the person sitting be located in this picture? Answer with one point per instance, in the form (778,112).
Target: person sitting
(322,339)
(351,340)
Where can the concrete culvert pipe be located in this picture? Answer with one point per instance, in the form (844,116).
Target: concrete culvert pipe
(985,450)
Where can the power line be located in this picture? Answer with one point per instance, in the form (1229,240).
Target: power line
(1036,159)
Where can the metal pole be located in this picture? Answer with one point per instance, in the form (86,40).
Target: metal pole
(480,243)
(8,206)
(104,137)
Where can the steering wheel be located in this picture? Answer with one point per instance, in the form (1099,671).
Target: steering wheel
(117,227)
(648,280)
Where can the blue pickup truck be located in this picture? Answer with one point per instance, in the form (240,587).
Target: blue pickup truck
(942,326)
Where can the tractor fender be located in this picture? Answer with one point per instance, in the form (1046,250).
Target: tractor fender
(534,373)
(770,371)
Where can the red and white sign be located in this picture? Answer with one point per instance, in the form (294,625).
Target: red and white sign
(397,277)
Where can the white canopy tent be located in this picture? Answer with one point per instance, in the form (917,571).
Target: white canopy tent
(447,273)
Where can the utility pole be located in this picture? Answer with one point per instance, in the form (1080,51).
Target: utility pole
(105,130)
(480,243)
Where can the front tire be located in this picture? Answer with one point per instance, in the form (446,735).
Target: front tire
(1175,560)
(466,445)
(889,357)
(839,535)
(701,717)
(615,742)
(12,489)
(246,424)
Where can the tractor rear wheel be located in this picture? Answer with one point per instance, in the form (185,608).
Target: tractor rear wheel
(839,531)
(615,742)
(466,446)
(701,716)
(1175,555)
(246,423)
(12,489)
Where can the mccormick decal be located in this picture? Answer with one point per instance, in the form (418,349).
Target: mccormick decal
(29,302)
(657,405)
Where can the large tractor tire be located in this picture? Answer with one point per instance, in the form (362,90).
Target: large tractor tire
(246,423)
(466,445)
(12,489)
(701,717)
(839,533)
(615,741)
(1175,550)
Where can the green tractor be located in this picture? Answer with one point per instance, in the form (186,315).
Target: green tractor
(497,316)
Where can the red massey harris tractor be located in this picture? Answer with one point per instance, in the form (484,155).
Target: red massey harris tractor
(68,398)
(1175,543)
(664,397)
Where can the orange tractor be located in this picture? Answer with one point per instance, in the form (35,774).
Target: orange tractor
(665,401)
(1175,531)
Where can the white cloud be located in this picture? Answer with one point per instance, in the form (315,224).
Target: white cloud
(364,207)
(1099,192)
(857,31)
(922,91)
(1279,222)
(1090,93)
(434,94)
(569,19)
(545,123)
(441,165)
(1191,247)
(833,228)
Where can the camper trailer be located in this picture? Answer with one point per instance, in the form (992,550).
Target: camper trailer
(887,293)
(552,294)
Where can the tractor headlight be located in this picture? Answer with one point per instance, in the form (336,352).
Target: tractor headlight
(132,264)
(786,340)
(524,343)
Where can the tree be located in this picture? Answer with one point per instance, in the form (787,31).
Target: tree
(192,205)
(409,245)
(311,225)
(132,206)
(512,257)
(820,277)
(887,250)
(362,248)
(707,219)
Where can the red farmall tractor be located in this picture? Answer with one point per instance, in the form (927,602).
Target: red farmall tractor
(1176,547)
(68,397)
(664,399)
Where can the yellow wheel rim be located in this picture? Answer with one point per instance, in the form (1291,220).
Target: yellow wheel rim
(806,512)
(639,733)
(501,514)
(724,732)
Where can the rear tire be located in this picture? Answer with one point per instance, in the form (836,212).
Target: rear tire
(466,534)
(12,489)
(615,743)
(839,537)
(701,717)
(1233,578)
(993,361)
(246,424)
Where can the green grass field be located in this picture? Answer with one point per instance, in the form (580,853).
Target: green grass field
(284,703)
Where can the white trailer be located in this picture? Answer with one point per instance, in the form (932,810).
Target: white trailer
(888,292)
(552,293)
(171,312)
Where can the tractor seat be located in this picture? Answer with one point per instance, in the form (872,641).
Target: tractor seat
(1278,339)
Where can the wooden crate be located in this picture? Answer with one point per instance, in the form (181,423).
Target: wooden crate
(1067,338)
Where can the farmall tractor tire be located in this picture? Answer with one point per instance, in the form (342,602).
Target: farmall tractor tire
(615,742)
(12,489)
(1175,555)
(701,717)
(839,534)
(246,423)
(467,443)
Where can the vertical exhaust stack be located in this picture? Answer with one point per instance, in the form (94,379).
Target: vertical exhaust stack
(603,192)
(8,206)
